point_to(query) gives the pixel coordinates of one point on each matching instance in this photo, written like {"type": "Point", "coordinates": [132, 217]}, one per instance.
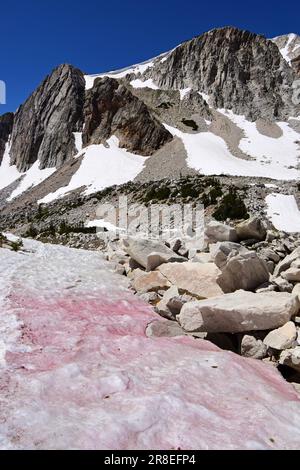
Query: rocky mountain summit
{"type": "Point", "coordinates": [221, 103]}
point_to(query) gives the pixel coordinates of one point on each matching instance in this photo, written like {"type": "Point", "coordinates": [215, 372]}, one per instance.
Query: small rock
{"type": "Point", "coordinates": [291, 358]}
{"type": "Point", "coordinates": [292, 274]}
{"type": "Point", "coordinates": [281, 338]}
{"type": "Point", "coordinates": [152, 281]}
{"type": "Point", "coordinates": [283, 285]}
{"type": "Point", "coordinates": [253, 347]}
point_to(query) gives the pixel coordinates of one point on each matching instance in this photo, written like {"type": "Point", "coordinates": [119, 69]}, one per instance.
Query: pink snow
{"type": "Point", "coordinates": [80, 373]}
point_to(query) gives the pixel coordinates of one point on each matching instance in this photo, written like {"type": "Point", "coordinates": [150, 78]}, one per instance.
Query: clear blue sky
{"type": "Point", "coordinates": [37, 35]}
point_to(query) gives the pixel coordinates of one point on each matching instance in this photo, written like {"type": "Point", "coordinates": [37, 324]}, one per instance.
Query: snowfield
{"type": "Point", "coordinates": [100, 168]}
{"type": "Point", "coordinates": [284, 213]}
{"type": "Point", "coordinates": [78, 372]}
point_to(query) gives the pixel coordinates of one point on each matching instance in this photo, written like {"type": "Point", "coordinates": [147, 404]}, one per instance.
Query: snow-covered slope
{"type": "Point", "coordinates": [283, 212]}
{"type": "Point", "coordinates": [77, 370]}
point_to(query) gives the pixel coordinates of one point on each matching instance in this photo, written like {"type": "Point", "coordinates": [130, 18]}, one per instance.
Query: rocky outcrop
{"type": "Point", "coordinates": [44, 124]}
{"type": "Point", "coordinates": [238, 312]}
{"type": "Point", "coordinates": [111, 109]}
{"type": "Point", "coordinates": [238, 70]}
{"type": "Point", "coordinates": [6, 125]}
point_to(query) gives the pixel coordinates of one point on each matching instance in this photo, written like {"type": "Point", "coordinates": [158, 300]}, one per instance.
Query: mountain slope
{"type": "Point", "coordinates": [221, 103]}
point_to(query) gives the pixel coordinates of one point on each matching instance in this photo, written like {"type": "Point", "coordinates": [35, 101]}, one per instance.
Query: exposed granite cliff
{"type": "Point", "coordinates": [239, 70]}
{"type": "Point", "coordinates": [111, 109]}
{"type": "Point", "coordinates": [44, 124]}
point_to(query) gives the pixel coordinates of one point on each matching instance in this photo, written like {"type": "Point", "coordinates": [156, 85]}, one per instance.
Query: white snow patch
{"type": "Point", "coordinates": [209, 154]}
{"type": "Point", "coordinates": [32, 177]}
{"type": "Point", "coordinates": [284, 212]}
{"type": "Point", "coordinates": [138, 83]}
{"type": "Point", "coordinates": [204, 96]}
{"type": "Point", "coordinates": [280, 155]}
{"type": "Point", "coordinates": [101, 223]}
{"type": "Point", "coordinates": [138, 68]}
{"type": "Point", "coordinates": [78, 140]}
{"type": "Point", "coordinates": [184, 92]}
{"type": "Point", "coordinates": [8, 173]}
{"type": "Point", "coordinates": [100, 168]}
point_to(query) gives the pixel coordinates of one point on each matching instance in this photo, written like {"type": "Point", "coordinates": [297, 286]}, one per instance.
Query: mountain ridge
{"type": "Point", "coordinates": [206, 93]}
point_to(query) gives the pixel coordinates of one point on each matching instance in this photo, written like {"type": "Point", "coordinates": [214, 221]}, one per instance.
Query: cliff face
{"type": "Point", "coordinates": [6, 125]}
{"type": "Point", "coordinates": [239, 70]}
{"type": "Point", "coordinates": [44, 124]}
{"type": "Point", "coordinates": [111, 109]}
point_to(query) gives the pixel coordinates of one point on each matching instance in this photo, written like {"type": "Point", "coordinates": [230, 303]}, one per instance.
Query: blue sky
{"type": "Point", "coordinates": [104, 35]}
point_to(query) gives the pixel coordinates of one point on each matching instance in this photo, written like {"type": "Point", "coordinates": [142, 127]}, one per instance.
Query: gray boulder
{"type": "Point", "coordinates": [251, 228]}
{"type": "Point", "coordinates": [218, 232]}
{"type": "Point", "coordinates": [253, 347]}
{"type": "Point", "coordinates": [244, 271]}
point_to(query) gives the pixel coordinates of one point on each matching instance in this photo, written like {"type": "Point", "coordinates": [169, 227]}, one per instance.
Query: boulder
{"type": "Point", "coordinates": [153, 281]}
{"type": "Point", "coordinates": [283, 285]}
{"type": "Point", "coordinates": [166, 328]}
{"type": "Point", "coordinates": [244, 271]}
{"type": "Point", "coordinates": [253, 347]}
{"type": "Point", "coordinates": [291, 358]}
{"type": "Point", "coordinates": [287, 261]}
{"type": "Point", "coordinates": [282, 338]}
{"type": "Point", "coordinates": [221, 251]}
{"type": "Point", "coordinates": [196, 279]}
{"type": "Point", "coordinates": [251, 228]}
{"type": "Point", "coordinates": [218, 232]}
{"type": "Point", "coordinates": [162, 306]}
{"type": "Point", "coordinates": [238, 312]}
{"type": "Point", "coordinates": [296, 290]}
{"type": "Point", "coordinates": [292, 274]}
{"type": "Point", "coordinates": [150, 254]}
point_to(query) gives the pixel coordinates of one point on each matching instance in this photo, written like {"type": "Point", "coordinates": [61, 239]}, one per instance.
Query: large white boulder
{"type": "Point", "coordinates": [149, 253]}
{"type": "Point", "coordinates": [196, 279]}
{"type": "Point", "coordinates": [239, 311]}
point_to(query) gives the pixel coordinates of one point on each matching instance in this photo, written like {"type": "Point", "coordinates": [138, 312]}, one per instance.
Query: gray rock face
{"type": "Point", "coordinates": [6, 125]}
{"type": "Point", "coordinates": [238, 70]}
{"type": "Point", "coordinates": [111, 109]}
{"type": "Point", "coordinates": [44, 124]}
